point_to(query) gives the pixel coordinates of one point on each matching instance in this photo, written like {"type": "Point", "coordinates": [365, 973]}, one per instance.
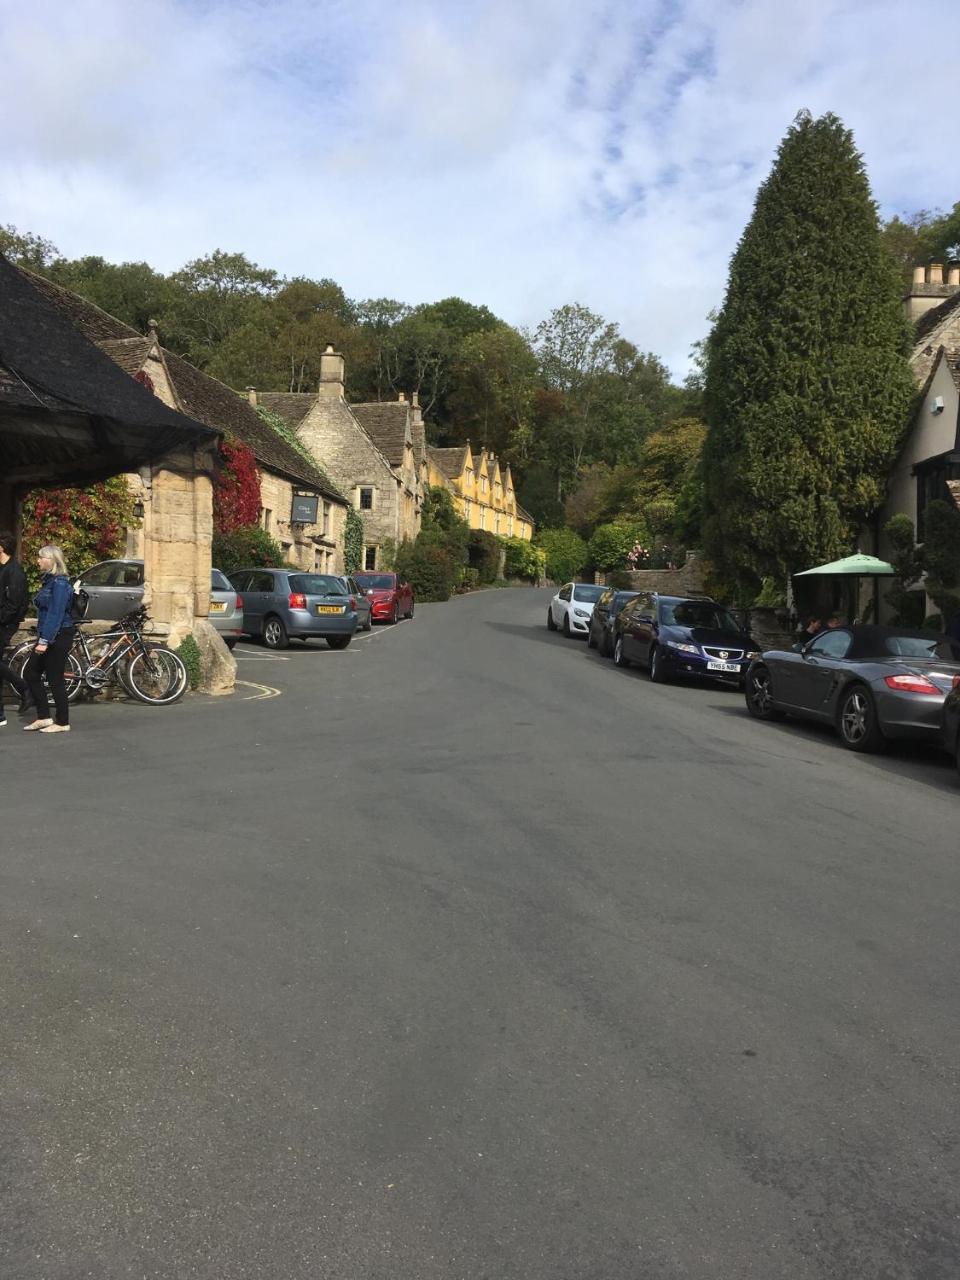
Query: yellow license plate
{"type": "Point", "coordinates": [218, 606]}
{"type": "Point", "coordinates": [329, 608]}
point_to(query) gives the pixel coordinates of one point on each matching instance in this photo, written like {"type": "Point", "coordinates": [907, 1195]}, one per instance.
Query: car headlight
{"type": "Point", "coordinates": [581, 613]}
{"type": "Point", "coordinates": [752, 656]}
{"type": "Point", "coordinates": [683, 648]}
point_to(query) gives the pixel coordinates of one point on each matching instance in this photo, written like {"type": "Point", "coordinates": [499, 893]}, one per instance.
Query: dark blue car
{"type": "Point", "coordinates": [690, 636]}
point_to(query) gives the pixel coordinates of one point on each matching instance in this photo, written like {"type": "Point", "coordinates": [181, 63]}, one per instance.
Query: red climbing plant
{"type": "Point", "coordinates": [236, 492]}
{"type": "Point", "coordinates": [88, 524]}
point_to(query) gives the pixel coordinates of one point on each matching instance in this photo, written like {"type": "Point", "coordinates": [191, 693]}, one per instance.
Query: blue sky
{"type": "Point", "coordinates": [518, 155]}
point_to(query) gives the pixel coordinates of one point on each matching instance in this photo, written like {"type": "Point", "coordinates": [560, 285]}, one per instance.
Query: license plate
{"type": "Point", "coordinates": [733, 667]}
{"type": "Point", "coordinates": [329, 608]}
{"type": "Point", "coordinates": [218, 606]}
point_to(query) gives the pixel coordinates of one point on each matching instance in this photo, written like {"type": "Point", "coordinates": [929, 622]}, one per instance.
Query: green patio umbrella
{"type": "Point", "coordinates": [856, 566]}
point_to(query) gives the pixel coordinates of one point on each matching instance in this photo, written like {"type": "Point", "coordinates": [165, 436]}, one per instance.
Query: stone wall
{"type": "Point", "coordinates": [687, 580]}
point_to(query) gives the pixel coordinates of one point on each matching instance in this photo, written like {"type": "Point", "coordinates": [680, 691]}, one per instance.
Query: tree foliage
{"type": "Point", "coordinates": [566, 553]}
{"type": "Point", "coordinates": [808, 389]}
{"type": "Point", "coordinates": [249, 547]}
{"type": "Point", "coordinates": [353, 540]}
{"type": "Point", "coordinates": [88, 524]}
{"type": "Point", "coordinates": [611, 544]}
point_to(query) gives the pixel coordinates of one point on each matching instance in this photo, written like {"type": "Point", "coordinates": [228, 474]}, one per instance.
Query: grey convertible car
{"type": "Point", "coordinates": [872, 683]}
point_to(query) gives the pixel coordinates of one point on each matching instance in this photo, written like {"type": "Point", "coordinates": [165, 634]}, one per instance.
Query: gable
{"type": "Point", "coordinates": [387, 423]}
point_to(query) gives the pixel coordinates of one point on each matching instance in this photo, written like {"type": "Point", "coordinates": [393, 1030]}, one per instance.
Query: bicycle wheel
{"type": "Point", "coordinates": [72, 671]}
{"type": "Point", "coordinates": [157, 676]}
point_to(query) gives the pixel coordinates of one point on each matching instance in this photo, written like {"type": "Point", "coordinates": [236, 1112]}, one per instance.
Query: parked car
{"type": "Point", "coordinates": [364, 603]}
{"type": "Point", "coordinates": [872, 683]}
{"type": "Point", "coordinates": [682, 636]}
{"type": "Point", "coordinates": [571, 608]}
{"type": "Point", "coordinates": [388, 593]}
{"type": "Point", "coordinates": [280, 604]}
{"type": "Point", "coordinates": [113, 588]}
{"type": "Point", "coordinates": [950, 720]}
{"type": "Point", "coordinates": [600, 631]}
{"type": "Point", "coordinates": [226, 608]}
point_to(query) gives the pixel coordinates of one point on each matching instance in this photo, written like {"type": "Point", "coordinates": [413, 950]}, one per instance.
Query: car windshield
{"type": "Point", "coordinates": [919, 647]}
{"type": "Point", "coordinates": [317, 584]}
{"type": "Point", "coordinates": [588, 593]}
{"type": "Point", "coordinates": [697, 613]}
{"type": "Point", "coordinates": [375, 581]}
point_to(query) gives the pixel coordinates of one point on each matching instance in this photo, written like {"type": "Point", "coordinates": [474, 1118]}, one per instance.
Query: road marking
{"type": "Point", "coordinates": [259, 657]}
{"type": "Point", "coordinates": [265, 691]}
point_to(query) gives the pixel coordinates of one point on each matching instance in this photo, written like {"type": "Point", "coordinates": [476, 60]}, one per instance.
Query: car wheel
{"type": "Point", "coordinates": [409, 613]}
{"type": "Point", "coordinates": [395, 616]}
{"type": "Point", "coordinates": [619, 659]}
{"type": "Point", "coordinates": [604, 645]}
{"type": "Point", "coordinates": [566, 626]}
{"type": "Point", "coordinates": [369, 626]}
{"type": "Point", "coordinates": [759, 695]}
{"type": "Point", "coordinates": [231, 642]}
{"type": "Point", "coordinates": [857, 720]}
{"type": "Point", "coordinates": [338, 642]}
{"type": "Point", "coordinates": [591, 643]}
{"type": "Point", "coordinates": [275, 633]}
{"type": "Point", "coordinates": [551, 625]}
{"type": "Point", "coordinates": [658, 666]}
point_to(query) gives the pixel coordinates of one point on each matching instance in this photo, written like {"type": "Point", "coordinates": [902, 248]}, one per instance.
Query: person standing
{"type": "Point", "coordinates": [13, 610]}
{"type": "Point", "coordinates": [54, 639]}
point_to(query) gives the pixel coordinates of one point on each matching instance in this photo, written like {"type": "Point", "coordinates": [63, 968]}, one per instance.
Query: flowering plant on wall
{"type": "Point", "coordinates": [89, 524]}
{"type": "Point", "coordinates": [236, 491]}
{"type": "Point", "coordinates": [637, 555]}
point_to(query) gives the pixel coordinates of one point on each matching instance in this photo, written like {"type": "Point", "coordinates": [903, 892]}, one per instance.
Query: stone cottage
{"type": "Point", "coordinates": [482, 490]}
{"type": "Point", "coordinates": [285, 470]}
{"type": "Point", "coordinates": [374, 453]}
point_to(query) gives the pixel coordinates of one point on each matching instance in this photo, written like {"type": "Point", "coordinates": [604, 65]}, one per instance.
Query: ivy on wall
{"type": "Point", "coordinates": [353, 542]}
{"type": "Point", "coordinates": [87, 524]}
{"type": "Point", "coordinates": [236, 493]}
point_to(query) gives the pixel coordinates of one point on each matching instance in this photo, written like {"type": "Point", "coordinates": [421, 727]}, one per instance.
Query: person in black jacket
{"type": "Point", "coordinates": [13, 610]}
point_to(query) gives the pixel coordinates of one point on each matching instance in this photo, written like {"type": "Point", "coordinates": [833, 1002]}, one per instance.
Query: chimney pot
{"type": "Point", "coordinates": [401, 398]}
{"type": "Point", "coordinates": [919, 275]}
{"type": "Point", "coordinates": [252, 396]}
{"type": "Point", "coordinates": [331, 374]}
{"type": "Point", "coordinates": [953, 273]}
{"type": "Point", "coordinates": [936, 273]}
{"type": "Point", "coordinates": [415, 399]}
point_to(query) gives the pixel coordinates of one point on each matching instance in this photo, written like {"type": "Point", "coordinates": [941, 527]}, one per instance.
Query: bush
{"type": "Point", "coordinates": [189, 653]}
{"type": "Point", "coordinates": [246, 548]}
{"type": "Point", "coordinates": [523, 559]}
{"type": "Point", "coordinates": [611, 544]}
{"type": "Point", "coordinates": [429, 568]}
{"type": "Point", "coordinates": [87, 524]}
{"type": "Point", "coordinates": [353, 542]}
{"type": "Point", "coordinates": [470, 580]}
{"type": "Point", "coordinates": [566, 553]}
{"type": "Point", "coordinates": [485, 552]}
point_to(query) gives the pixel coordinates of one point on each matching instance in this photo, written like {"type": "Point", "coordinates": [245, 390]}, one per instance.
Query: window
{"type": "Point", "coordinates": [326, 519]}
{"type": "Point", "coordinates": [564, 592]}
{"type": "Point", "coordinates": [366, 499]}
{"type": "Point", "coordinates": [318, 561]}
{"type": "Point", "coordinates": [370, 558]}
{"type": "Point", "coordinates": [588, 592]}
{"type": "Point", "coordinates": [219, 581]}
{"type": "Point", "coordinates": [313, 584]}
{"type": "Point", "coordinates": [832, 644]}
{"type": "Point", "coordinates": [266, 516]}
{"type": "Point", "coordinates": [102, 575]}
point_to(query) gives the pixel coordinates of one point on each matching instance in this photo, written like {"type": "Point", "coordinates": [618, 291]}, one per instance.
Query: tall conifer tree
{"type": "Point", "coordinates": [808, 389]}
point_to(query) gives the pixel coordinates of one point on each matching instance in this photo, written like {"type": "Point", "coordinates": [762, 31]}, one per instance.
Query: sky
{"type": "Point", "coordinates": [520, 154]}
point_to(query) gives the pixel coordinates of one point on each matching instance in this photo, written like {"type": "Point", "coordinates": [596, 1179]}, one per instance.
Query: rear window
{"type": "Point", "coordinates": [317, 584]}
{"type": "Point", "coordinates": [375, 581]}
{"type": "Point", "coordinates": [919, 647]}
{"type": "Point", "coordinates": [219, 581]}
{"type": "Point", "coordinates": [587, 593]}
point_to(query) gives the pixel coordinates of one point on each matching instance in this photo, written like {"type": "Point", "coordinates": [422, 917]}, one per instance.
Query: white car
{"type": "Point", "coordinates": [572, 607]}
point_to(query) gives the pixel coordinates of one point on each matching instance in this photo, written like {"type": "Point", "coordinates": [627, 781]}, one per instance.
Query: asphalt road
{"type": "Point", "coordinates": [468, 955]}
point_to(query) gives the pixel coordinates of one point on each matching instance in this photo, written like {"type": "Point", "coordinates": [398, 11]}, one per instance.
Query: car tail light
{"type": "Point", "coordinates": [956, 682]}
{"type": "Point", "coordinates": [910, 684]}
{"type": "Point", "coordinates": [353, 602]}
{"type": "Point", "coordinates": [239, 604]}
{"type": "Point", "coordinates": [298, 600]}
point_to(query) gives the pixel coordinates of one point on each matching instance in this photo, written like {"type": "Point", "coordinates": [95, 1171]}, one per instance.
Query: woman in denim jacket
{"type": "Point", "coordinates": [54, 639]}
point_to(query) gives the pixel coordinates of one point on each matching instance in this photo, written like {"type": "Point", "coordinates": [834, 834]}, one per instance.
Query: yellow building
{"type": "Point", "coordinates": [482, 490]}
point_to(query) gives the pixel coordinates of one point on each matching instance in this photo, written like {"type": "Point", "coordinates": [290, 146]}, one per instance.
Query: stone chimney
{"type": "Point", "coordinates": [401, 398]}
{"type": "Point", "coordinates": [331, 374]}
{"type": "Point", "coordinates": [928, 288]}
{"type": "Point", "coordinates": [416, 415]}
{"type": "Point", "coordinates": [252, 396]}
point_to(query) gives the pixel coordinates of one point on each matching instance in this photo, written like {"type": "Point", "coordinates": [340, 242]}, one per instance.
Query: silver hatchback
{"type": "Point", "coordinates": [226, 608]}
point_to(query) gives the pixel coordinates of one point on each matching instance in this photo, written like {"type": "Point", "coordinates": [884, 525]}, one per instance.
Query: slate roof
{"type": "Point", "coordinates": [449, 461]}
{"type": "Point", "coordinates": [210, 402]}
{"type": "Point", "coordinates": [385, 422]}
{"type": "Point", "coordinates": [930, 319]}
{"type": "Point", "coordinates": [291, 406]}
{"type": "Point", "coordinates": [50, 364]}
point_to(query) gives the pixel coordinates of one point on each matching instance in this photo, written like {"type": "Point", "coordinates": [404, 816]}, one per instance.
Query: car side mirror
{"type": "Point", "coordinates": [796, 648]}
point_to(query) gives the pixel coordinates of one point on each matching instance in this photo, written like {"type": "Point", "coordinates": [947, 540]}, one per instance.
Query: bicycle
{"type": "Point", "coordinates": [149, 672]}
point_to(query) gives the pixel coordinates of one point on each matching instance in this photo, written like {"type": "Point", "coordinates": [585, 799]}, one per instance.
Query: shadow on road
{"type": "Point", "coordinates": [537, 632]}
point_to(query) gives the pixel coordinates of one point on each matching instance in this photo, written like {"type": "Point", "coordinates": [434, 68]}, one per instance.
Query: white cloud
{"type": "Point", "coordinates": [522, 156]}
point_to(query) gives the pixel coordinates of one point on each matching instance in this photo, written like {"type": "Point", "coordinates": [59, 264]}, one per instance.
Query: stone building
{"type": "Point", "coordinates": [374, 453]}
{"type": "Point", "coordinates": [285, 470]}
{"type": "Point", "coordinates": [482, 491]}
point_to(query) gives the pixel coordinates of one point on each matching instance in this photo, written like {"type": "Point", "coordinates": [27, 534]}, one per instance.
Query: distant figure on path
{"type": "Point", "coordinates": [55, 638]}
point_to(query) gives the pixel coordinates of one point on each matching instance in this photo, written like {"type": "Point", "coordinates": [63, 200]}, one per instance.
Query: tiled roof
{"type": "Point", "coordinates": [198, 395]}
{"type": "Point", "coordinates": [291, 406]}
{"type": "Point", "coordinates": [524, 515]}
{"type": "Point", "coordinates": [385, 422]}
{"type": "Point", "coordinates": [217, 405]}
{"type": "Point", "coordinates": [449, 461]}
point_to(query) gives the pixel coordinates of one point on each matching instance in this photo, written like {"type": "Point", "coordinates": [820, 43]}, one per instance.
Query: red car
{"type": "Point", "coordinates": [390, 597]}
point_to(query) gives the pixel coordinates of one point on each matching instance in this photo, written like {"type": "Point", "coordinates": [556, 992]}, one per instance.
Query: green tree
{"type": "Point", "coordinates": [808, 389]}
{"type": "Point", "coordinates": [131, 291]}
{"type": "Point", "coordinates": [214, 296]}
{"type": "Point", "coordinates": [907, 560]}
{"type": "Point", "coordinates": [566, 553]}
{"type": "Point", "coordinates": [941, 556]}
{"type": "Point", "coordinates": [612, 543]}
{"type": "Point", "coordinates": [353, 539]}
{"type": "Point", "coordinates": [27, 249]}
